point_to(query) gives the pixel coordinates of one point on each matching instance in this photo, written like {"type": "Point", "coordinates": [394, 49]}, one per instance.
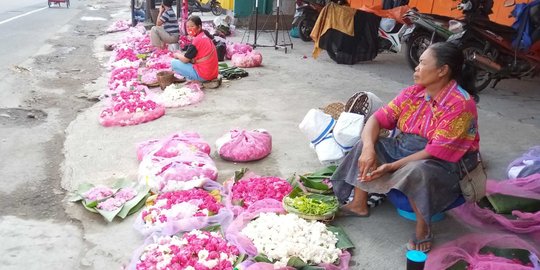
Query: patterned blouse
{"type": "Point", "coordinates": [449, 120]}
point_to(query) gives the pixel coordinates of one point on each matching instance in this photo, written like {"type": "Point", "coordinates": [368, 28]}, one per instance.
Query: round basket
{"type": "Point", "coordinates": [165, 78]}
{"type": "Point", "coordinates": [358, 103]}
{"type": "Point", "coordinates": [334, 109]}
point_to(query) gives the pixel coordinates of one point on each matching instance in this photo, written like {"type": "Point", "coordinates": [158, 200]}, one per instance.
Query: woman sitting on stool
{"type": "Point", "coordinates": [439, 127]}
{"type": "Point", "coordinates": [200, 62]}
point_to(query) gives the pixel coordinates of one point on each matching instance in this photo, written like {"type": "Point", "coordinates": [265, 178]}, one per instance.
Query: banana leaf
{"type": "Point", "coordinates": [262, 258]}
{"type": "Point", "coordinates": [239, 259]}
{"type": "Point", "coordinates": [505, 204]}
{"type": "Point", "coordinates": [212, 228]}
{"type": "Point", "coordinates": [136, 203]}
{"type": "Point", "coordinates": [109, 215]}
{"type": "Point", "coordinates": [239, 174]}
{"type": "Point", "coordinates": [319, 205]}
{"type": "Point", "coordinates": [296, 262]}
{"type": "Point", "coordinates": [344, 242]}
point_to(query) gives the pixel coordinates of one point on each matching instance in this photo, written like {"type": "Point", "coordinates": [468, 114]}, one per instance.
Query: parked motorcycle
{"type": "Point", "coordinates": [211, 6]}
{"type": "Point", "coordinates": [489, 48]}
{"type": "Point", "coordinates": [430, 28]}
{"type": "Point", "coordinates": [307, 12]}
{"type": "Point", "coordinates": [390, 37]}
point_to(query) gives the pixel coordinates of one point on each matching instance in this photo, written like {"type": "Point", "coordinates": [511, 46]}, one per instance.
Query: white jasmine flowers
{"type": "Point", "coordinates": [281, 237]}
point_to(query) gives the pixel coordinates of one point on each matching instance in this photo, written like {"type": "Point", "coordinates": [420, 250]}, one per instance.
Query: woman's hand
{"type": "Point", "coordinates": [366, 163]}
{"type": "Point", "coordinates": [380, 171]}
{"type": "Point", "coordinates": [177, 55]}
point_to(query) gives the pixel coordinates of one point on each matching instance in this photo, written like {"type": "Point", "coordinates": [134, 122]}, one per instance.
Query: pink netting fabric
{"type": "Point", "coordinates": [247, 60]}
{"type": "Point", "coordinates": [173, 145]}
{"type": "Point", "coordinates": [235, 48]}
{"type": "Point", "coordinates": [526, 223]}
{"type": "Point", "coordinates": [467, 248]}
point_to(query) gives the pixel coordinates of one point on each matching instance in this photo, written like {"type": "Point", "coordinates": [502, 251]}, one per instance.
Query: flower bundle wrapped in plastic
{"type": "Point", "coordinates": [117, 26]}
{"type": "Point", "coordinates": [125, 76]}
{"type": "Point", "coordinates": [176, 95]}
{"type": "Point", "coordinates": [235, 48]}
{"type": "Point", "coordinates": [183, 210]}
{"type": "Point", "coordinates": [192, 251]}
{"type": "Point", "coordinates": [247, 191]}
{"type": "Point", "coordinates": [244, 145]}
{"type": "Point", "coordinates": [123, 199]}
{"type": "Point", "coordinates": [161, 173]}
{"type": "Point", "coordinates": [247, 60]}
{"type": "Point", "coordinates": [130, 108]}
{"type": "Point", "coordinates": [173, 145]}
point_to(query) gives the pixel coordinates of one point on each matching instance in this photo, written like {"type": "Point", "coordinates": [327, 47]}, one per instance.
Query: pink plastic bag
{"type": "Point", "coordinates": [173, 145]}
{"type": "Point", "coordinates": [159, 172]}
{"type": "Point", "coordinates": [467, 248]}
{"type": "Point", "coordinates": [243, 145]}
{"type": "Point", "coordinates": [247, 60]}
{"type": "Point", "coordinates": [235, 48]}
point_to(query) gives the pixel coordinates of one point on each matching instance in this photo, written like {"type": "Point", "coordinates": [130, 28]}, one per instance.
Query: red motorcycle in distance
{"type": "Point", "coordinates": [495, 52]}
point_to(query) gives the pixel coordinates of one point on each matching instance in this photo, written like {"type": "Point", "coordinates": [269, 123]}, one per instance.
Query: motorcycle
{"type": "Point", "coordinates": [390, 37]}
{"type": "Point", "coordinates": [495, 52]}
{"type": "Point", "coordinates": [211, 6]}
{"type": "Point", "coordinates": [307, 12]}
{"type": "Point", "coordinates": [427, 29]}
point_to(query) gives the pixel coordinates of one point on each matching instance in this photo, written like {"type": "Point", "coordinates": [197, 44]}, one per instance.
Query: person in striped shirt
{"type": "Point", "coordinates": [166, 30]}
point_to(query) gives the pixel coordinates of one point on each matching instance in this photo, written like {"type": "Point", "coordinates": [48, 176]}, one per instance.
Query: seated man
{"type": "Point", "coordinates": [166, 30]}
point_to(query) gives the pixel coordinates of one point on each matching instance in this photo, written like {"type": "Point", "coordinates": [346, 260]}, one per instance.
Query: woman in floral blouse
{"type": "Point", "coordinates": [439, 127]}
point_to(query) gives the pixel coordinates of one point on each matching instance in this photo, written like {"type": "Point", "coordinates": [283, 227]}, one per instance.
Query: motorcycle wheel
{"type": "Point", "coordinates": [305, 26]}
{"type": "Point", "coordinates": [217, 9]}
{"type": "Point", "coordinates": [481, 77]}
{"type": "Point", "coordinates": [415, 46]}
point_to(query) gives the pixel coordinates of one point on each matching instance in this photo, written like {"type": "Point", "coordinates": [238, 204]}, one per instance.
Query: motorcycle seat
{"type": "Point", "coordinates": [504, 31]}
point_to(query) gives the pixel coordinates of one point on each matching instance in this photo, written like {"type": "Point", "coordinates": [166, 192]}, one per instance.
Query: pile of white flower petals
{"type": "Point", "coordinates": [280, 237]}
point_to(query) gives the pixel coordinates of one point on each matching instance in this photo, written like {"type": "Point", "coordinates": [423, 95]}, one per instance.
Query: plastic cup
{"type": "Point", "coordinates": [416, 260]}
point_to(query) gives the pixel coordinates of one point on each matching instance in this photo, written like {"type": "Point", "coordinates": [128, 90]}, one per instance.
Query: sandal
{"type": "Point", "coordinates": [413, 243]}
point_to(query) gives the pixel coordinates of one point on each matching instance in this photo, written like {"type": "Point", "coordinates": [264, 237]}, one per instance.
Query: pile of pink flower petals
{"type": "Point", "coordinates": [130, 108]}
{"type": "Point", "coordinates": [179, 161]}
{"type": "Point", "coordinates": [176, 205]}
{"type": "Point", "coordinates": [122, 77]}
{"type": "Point", "coordinates": [193, 250]}
{"type": "Point", "coordinates": [118, 200]}
{"type": "Point", "coordinates": [120, 25]}
{"type": "Point", "coordinates": [249, 191]}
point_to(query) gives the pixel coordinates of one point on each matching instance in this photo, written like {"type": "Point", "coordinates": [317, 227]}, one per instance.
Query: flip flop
{"type": "Point", "coordinates": [344, 212]}
{"type": "Point", "coordinates": [415, 242]}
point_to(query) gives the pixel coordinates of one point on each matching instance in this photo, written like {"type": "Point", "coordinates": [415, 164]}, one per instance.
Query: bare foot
{"type": "Point", "coordinates": [358, 210]}
{"type": "Point", "coordinates": [422, 241]}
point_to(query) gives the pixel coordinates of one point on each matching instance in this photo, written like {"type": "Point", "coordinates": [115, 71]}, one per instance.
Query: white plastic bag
{"type": "Point", "coordinates": [316, 125]}
{"type": "Point", "coordinates": [347, 130]}
{"type": "Point", "coordinates": [328, 151]}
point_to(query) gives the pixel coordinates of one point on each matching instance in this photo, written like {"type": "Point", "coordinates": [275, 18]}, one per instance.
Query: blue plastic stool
{"type": "Point", "coordinates": [404, 209]}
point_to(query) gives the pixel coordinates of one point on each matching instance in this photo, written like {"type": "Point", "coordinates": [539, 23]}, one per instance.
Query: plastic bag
{"type": "Point", "coordinates": [316, 125]}
{"type": "Point", "coordinates": [161, 173]}
{"type": "Point", "coordinates": [246, 60]}
{"type": "Point", "coordinates": [243, 145]}
{"type": "Point", "coordinates": [348, 129]}
{"type": "Point", "coordinates": [235, 48]}
{"type": "Point", "coordinates": [328, 151]}
{"type": "Point", "coordinates": [173, 145]}
{"type": "Point", "coordinates": [527, 161]}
